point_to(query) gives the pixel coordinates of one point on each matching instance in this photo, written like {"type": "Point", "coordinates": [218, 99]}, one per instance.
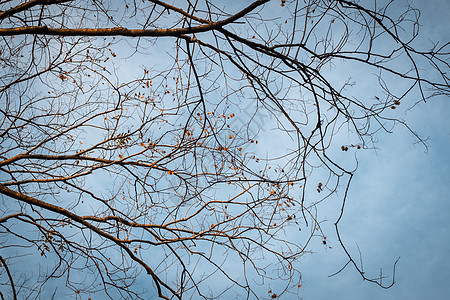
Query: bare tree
{"type": "Point", "coordinates": [184, 149]}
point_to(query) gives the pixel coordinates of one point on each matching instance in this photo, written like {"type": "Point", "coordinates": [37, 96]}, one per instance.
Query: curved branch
{"type": "Point", "coordinates": [122, 31]}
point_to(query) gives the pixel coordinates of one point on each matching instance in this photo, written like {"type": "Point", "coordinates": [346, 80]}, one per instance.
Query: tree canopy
{"type": "Point", "coordinates": [191, 144]}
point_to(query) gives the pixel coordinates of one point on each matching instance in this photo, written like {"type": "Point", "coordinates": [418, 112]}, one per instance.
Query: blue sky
{"type": "Point", "coordinates": [399, 206]}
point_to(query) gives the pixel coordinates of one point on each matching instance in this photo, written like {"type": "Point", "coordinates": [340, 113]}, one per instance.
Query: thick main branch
{"type": "Point", "coordinates": [122, 31]}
